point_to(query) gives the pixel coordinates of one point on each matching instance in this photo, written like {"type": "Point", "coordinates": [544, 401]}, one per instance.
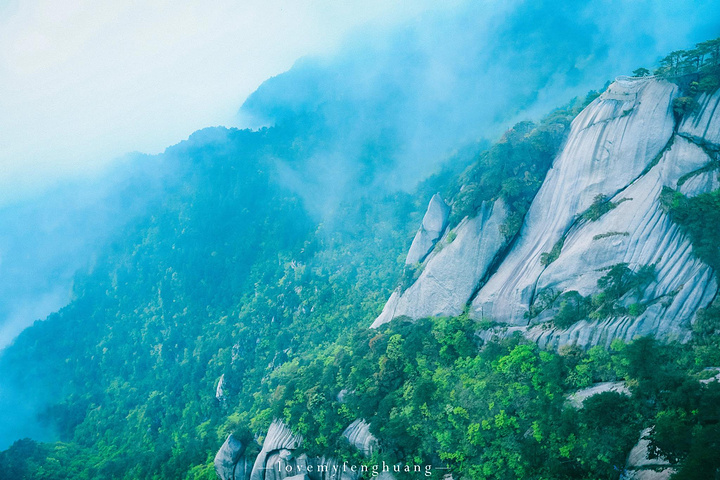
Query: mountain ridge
{"type": "Point", "coordinates": [622, 104]}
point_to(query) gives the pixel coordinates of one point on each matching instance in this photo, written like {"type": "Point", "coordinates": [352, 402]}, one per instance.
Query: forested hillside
{"type": "Point", "coordinates": [233, 303]}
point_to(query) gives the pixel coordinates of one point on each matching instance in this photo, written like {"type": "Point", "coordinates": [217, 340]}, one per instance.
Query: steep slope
{"type": "Point", "coordinates": [610, 145]}
{"type": "Point", "coordinates": [433, 226]}
{"type": "Point", "coordinates": [598, 208]}
{"type": "Point", "coordinates": [207, 284]}
{"type": "Point", "coordinates": [453, 273]}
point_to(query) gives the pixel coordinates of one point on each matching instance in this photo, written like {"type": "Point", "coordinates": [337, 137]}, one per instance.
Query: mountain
{"type": "Point", "coordinates": [557, 301]}
{"type": "Point", "coordinates": [598, 213]}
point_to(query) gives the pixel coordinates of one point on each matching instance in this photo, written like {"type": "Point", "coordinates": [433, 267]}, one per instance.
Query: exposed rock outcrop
{"type": "Point", "coordinates": [220, 391]}
{"type": "Point", "coordinates": [705, 124]}
{"type": "Point", "coordinates": [683, 284]}
{"type": "Point", "coordinates": [611, 143]}
{"type": "Point", "coordinates": [277, 459]}
{"type": "Point", "coordinates": [645, 236]}
{"type": "Point", "coordinates": [230, 464]}
{"type": "Point", "coordinates": [433, 226]}
{"type": "Point", "coordinates": [359, 436]}
{"type": "Point", "coordinates": [714, 378]}
{"type": "Point", "coordinates": [622, 150]}
{"type": "Point", "coordinates": [640, 467]}
{"type": "Point", "coordinates": [454, 270]}
{"type": "Point", "coordinates": [576, 399]}
{"type": "Point", "coordinates": [276, 453]}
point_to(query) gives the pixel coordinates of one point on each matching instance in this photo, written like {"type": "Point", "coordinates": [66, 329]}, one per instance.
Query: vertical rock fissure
{"type": "Point", "coordinates": [494, 265]}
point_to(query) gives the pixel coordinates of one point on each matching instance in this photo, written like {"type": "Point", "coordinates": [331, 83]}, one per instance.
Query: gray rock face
{"type": "Point", "coordinates": [576, 399]}
{"type": "Point", "coordinates": [454, 270]}
{"type": "Point", "coordinates": [359, 436]}
{"type": "Point", "coordinates": [640, 467]}
{"type": "Point", "coordinates": [645, 236]}
{"type": "Point", "coordinates": [277, 459]}
{"type": "Point", "coordinates": [625, 148]}
{"type": "Point", "coordinates": [622, 146]}
{"type": "Point", "coordinates": [610, 144]}
{"type": "Point", "coordinates": [220, 391]}
{"type": "Point", "coordinates": [229, 461]}
{"type": "Point", "coordinates": [714, 378]}
{"type": "Point", "coordinates": [433, 226]}
{"type": "Point", "coordinates": [276, 454]}
{"type": "Point", "coordinates": [706, 123]}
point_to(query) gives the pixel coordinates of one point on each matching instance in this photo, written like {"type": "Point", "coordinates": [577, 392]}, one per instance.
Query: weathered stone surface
{"type": "Point", "coordinates": [576, 399]}
{"type": "Point", "coordinates": [701, 183]}
{"type": "Point", "coordinates": [636, 232]}
{"type": "Point", "coordinates": [610, 145]}
{"type": "Point", "coordinates": [624, 147]}
{"type": "Point", "coordinates": [230, 464]}
{"type": "Point", "coordinates": [433, 226]}
{"type": "Point", "coordinates": [359, 436]}
{"type": "Point", "coordinates": [714, 378]}
{"type": "Point", "coordinates": [640, 467]}
{"type": "Point", "coordinates": [705, 123]}
{"type": "Point", "coordinates": [220, 390]}
{"type": "Point", "coordinates": [277, 459]}
{"type": "Point", "coordinates": [277, 447]}
{"type": "Point", "coordinates": [454, 269]}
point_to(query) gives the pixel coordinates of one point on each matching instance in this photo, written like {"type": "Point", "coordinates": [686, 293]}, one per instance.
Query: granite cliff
{"type": "Point", "coordinates": [599, 207]}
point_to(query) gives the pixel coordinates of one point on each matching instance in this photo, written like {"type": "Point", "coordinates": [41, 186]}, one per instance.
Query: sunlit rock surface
{"type": "Point", "coordinates": [276, 453]}
{"type": "Point", "coordinates": [624, 148]}
{"type": "Point", "coordinates": [576, 399]}
{"type": "Point", "coordinates": [359, 436]}
{"type": "Point", "coordinates": [636, 232]}
{"type": "Point", "coordinates": [704, 124]}
{"type": "Point", "coordinates": [277, 460]}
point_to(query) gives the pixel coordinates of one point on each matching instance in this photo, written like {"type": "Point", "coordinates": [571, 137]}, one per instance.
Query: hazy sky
{"type": "Point", "coordinates": [84, 81]}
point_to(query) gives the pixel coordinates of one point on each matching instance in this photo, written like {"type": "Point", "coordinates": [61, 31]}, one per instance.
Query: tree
{"type": "Point", "coordinates": [712, 48]}
{"type": "Point", "coordinates": [670, 65]}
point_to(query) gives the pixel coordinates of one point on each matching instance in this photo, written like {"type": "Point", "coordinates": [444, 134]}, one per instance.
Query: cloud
{"type": "Point", "coordinates": [395, 101]}
{"type": "Point", "coordinates": [84, 82]}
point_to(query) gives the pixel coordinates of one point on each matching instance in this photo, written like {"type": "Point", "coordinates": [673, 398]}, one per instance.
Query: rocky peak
{"type": "Point", "coordinates": [598, 207]}
{"type": "Point", "coordinates": [433, 226]}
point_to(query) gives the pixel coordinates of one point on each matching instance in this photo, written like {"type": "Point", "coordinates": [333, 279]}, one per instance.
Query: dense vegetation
{"type": "Point", "coordinates": [500, 411]}
{"type": "Point", "coordinates": [234, 276]}
{"type": "Point", "coordinates": [230, 276]}
{"type": "Point", "coordinates": [514, 168]}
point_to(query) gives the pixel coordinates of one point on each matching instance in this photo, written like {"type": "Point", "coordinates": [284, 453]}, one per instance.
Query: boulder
{"type": "Point", "coordinates": [277, 447]}
{"type": "Point", "coordinates": [359, 436]}
{"type": "Point", "coordinates": [230, 464]}
{"type": "Point", "coordinates": [640, 467]}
